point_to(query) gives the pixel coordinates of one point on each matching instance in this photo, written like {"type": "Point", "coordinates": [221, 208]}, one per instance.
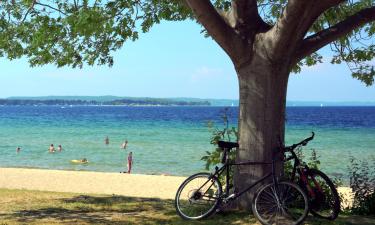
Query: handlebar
{"type": "Point", "coordinates": [303, 143]}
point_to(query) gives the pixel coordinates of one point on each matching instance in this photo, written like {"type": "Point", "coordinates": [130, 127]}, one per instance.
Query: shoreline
{"type": "Point", "coordinates": [94, 171]}
{"type": "Point", "coordinates": [91, 182]}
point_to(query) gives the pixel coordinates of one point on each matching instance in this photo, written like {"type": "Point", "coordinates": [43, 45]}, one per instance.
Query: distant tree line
{"type": "Point", "coordinates": [129, 102]}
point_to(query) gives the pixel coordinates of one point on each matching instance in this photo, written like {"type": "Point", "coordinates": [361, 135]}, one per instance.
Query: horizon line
{"type": "Point", "coordinates": [202, 98]}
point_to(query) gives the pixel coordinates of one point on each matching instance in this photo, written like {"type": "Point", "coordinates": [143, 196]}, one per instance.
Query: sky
{"type": "Point", "coordinates": [172, 60]}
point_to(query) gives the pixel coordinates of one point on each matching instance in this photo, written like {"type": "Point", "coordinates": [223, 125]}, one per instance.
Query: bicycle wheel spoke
{"type": "Point", "coordinates": [198, 196]}
{"type": "Point", "coordinates": [269, 194]}
{"type": "Point", "coordinates": [283, 204]}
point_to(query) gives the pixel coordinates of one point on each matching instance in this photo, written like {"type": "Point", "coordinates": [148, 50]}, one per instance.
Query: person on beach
{"type": "Point", "coordinates": [130, 161]}
{"type": "Point", "coordinates": [59, 148]}
{"type": "Point", "coordinates": [106, 140]}
{"type": "Point", "coordinates": [51, 148]}
{"type": "Point", "coordinates": [18, 149]}
{"type": "Point", "coordinates": [124, 144]}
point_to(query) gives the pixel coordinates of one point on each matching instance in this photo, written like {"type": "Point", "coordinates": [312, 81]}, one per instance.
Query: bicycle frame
{"type": "Point", "coordinates": [226, 167]}
{"type": "Point", "coordinates": [302, 173]}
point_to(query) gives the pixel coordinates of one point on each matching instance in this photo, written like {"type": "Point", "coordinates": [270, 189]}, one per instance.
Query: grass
{"type": "Point", "coordinates": [39, 208]}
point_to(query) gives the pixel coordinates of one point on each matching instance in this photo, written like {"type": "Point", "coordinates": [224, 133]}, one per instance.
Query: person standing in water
{"type": "Point", "coordinates": [18, 149]}
{"type": "Point", "coordinates": [59, 148]}
{"type": "Point", "coordinates": [106, 140]}
{"type": "Point", "coordinates": [124, 144]}
{"type": "Point", "coordinates": [130, 161]}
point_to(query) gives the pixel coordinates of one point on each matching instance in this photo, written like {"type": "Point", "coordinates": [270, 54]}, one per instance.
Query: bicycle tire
{"type": "Point", "coordinates": [197, 196]}
{"type": "Point", "coordinates": [291, 206]}
{"type": "Point", "coordinates": [329, 199]}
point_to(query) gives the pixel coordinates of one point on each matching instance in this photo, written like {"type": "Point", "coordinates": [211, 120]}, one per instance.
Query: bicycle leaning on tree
{"type": "Point", "coordinates": [276, 202]}
{"type": "Point", "coordinates": [324, 201]}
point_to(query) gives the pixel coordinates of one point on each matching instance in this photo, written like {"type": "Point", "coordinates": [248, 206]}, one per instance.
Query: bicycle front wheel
{"type": "Point", "coordinates": [198, 196]}
{"type": "Point", "coordinates": [323, 196]}
{"type": "Point", "coordinates": [284, 203]}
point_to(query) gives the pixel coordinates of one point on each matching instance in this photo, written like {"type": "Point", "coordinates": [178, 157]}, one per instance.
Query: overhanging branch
{"type": "Point", "coordinates": [216, 26]}
{"type": "Point", "coordinates": [28, 11]}
{"type": "Point", "coordinates": [295, 20]}
{"type": "Point", "coordinates": [318, 40]}
{"type": "Point", "coordinates": [51, 7]}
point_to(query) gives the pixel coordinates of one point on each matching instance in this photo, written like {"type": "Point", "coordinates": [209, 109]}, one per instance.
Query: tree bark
{"type": "Point", "coordinates": [263, 87]}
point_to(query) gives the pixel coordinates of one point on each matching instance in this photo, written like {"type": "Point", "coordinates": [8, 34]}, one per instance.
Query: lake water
{"type": "Point", "coordinates": [165, 140]}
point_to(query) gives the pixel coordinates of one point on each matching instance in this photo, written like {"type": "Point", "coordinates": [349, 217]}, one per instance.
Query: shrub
{"type": "Point", "coordinates": [362, 183]}
{"type": "Point", "coordinates": [225, 133]}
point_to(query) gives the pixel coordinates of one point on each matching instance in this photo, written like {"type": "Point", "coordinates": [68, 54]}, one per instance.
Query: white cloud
{"type": "Point", "coordinates": [205, 73]}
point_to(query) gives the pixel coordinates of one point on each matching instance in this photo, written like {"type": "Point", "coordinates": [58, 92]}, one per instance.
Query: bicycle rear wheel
{"type": "Point", "coordinates": [282, 204]}
{"type": "Point", "coordinates": [323, 197]}
{"type": "Point", "coordinates": [198, 196]}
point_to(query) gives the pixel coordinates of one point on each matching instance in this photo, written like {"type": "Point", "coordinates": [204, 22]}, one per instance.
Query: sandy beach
{"type": "Point", "coordinates": [132, 185]}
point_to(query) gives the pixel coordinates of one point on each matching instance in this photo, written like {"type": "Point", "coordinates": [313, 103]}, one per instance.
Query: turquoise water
{"type": "Point", "coordinates": [165, 140]}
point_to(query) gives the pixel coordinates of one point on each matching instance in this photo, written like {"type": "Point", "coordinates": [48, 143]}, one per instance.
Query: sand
{"type": "Point", "coordinates": [347, 196]}
{"type": "Point", "coordinates": [132, 185]}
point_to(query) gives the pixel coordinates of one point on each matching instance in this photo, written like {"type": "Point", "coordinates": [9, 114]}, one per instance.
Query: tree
{"type": "Point", "coordinates": [266, 40]}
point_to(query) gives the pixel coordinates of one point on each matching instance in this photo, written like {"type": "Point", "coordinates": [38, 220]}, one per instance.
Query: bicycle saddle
{"type": "Point", "coordinates": [227, 144]}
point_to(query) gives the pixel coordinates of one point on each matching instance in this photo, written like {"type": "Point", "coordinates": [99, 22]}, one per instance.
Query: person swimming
{"type": "Point", "coordinates": [84, 160]}
{"type": "Point", "coordinates": [59, 148]}
{"type": "Point", "coordinates": [51, 148]}
{"type": "Point", "coordinates": [80, 161]}
{"type": "Point", "coordinates": [18, 149]}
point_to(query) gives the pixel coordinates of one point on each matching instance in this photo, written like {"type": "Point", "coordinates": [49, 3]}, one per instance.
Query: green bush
{"type": "Point", "coordinates": [362, 183]}
{"type": "Point", "coordinates": [226, 133]}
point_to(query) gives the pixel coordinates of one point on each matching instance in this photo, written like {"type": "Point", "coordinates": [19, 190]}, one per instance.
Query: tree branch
{"type": "Point", "coordinates": [218, 29]}
{"type": "Point", "coordinates": [322, 38]}
{"type": "Point", "coordinates": [51, 7]}
{"type": "Point", "coordinates": [28, 11]}
{"type": "Point", "coordinates": [295, 21]}
{"type": "Point", "coordinates": [246, 17]}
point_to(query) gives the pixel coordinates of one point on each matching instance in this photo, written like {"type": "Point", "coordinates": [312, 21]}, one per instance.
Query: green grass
{"type": "Point", "coordinates": [38, 208]}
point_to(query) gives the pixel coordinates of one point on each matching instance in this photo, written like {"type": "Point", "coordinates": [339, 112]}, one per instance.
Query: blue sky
{"type": "Point", "coordinates": [172, 60]}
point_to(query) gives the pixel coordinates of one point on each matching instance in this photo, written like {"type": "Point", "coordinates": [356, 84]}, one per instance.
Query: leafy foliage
{"type": "Point", "coordinates": [226, 133]}
{"type": "Point", "coordinates": [74, 33]}
{"type": "Point", "coordinates": [356, 49]}
{"type": "Point", "coordinates": [362, 183]}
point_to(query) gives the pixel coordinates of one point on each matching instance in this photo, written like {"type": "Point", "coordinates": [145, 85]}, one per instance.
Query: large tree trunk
{"type": "Point", "coordinates": [263, 87]}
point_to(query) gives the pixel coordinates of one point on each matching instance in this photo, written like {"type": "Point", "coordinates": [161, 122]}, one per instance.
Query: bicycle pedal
{"type": "Point", "coordinates": [227, 199]}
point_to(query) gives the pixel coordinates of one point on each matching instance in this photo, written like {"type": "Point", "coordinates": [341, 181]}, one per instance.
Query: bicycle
{"type": "Point", "coordinates": [324, 200]}
{"type": "Point", "coordinates": [277, 202]}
